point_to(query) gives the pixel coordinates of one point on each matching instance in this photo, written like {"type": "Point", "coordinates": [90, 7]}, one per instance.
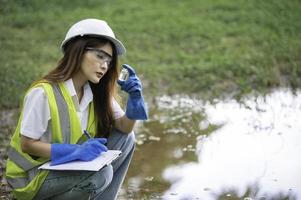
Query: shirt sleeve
{"type": "Point", "coordinates": [36, 114]}
{"type": "Point", "coordinates": [117, 110]}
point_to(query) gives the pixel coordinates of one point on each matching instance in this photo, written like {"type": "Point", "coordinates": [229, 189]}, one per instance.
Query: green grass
{"type": "Point", "coordinates": [208, 48]}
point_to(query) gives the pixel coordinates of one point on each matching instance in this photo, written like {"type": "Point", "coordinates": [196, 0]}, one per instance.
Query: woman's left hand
{"type": "Point", "coordinates": [136, 108]}
{"type": "Point", "coordinates": [132, 85]}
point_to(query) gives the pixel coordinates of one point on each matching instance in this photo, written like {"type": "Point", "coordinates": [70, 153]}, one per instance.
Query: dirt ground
{"type": "Point", "coordinates": [8, 120]}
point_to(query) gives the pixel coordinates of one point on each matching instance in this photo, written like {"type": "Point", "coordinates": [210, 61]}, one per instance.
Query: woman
{"type": "Point", "coordinates": [77, 96]}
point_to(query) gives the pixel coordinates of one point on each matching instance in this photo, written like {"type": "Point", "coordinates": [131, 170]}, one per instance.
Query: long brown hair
{"type": "Point", "coordinates": [103, 92]}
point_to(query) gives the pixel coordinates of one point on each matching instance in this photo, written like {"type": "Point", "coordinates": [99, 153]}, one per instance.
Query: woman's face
{"type": "Point", "coordinates": [96, 62]}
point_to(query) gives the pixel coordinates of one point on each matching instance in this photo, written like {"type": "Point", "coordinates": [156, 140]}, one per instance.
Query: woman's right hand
{"type": "Point", "coordinates": [63, 153]}
{"type": "Point", "coordinates": [91, 149]}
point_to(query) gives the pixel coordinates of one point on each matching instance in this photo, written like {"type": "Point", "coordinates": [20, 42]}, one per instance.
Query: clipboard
{"type": "Point", "coordinates": [105, 158]}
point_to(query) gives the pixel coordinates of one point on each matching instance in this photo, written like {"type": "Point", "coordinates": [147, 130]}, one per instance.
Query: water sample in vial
{"type": "Point", "coordinates": [124, 74]}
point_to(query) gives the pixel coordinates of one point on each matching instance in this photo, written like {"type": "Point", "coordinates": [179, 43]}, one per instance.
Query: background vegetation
{"type": "Point", "coordinates": [208, 48]}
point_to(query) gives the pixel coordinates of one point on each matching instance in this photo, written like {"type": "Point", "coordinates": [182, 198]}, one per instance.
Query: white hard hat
{"type": "Point", "coordinates": [93, 27]}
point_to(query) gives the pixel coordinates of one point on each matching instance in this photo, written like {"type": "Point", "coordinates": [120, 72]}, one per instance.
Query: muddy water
{"type": "Point", "coordinates": [191, 149]}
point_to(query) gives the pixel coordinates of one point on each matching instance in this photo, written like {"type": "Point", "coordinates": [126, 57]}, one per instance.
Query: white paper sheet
{"type": "Point", "coordinates": [105, 158]}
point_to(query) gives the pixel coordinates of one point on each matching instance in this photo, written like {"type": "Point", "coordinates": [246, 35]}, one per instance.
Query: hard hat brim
{"type": "Point", "coordinates": [120, 49]}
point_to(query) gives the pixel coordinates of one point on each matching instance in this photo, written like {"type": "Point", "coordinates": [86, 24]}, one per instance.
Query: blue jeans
{"type": "Point", "coordinates": [103, 184]}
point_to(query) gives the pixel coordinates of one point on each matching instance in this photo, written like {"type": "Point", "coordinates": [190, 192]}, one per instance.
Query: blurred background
{"type": "Point", "coordinates": [222, 80]}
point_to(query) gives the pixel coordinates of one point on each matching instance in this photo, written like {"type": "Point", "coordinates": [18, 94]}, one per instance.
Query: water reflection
{"type": "Point", "coordinates": [168, 138]}
{"type": "Point", "coordinates": [255, 154]}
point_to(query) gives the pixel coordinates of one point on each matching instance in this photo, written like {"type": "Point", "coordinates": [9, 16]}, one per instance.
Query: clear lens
{"type": "Point", "coordinates": [101, 55]}
{"type": "Point", "coordinates": [124, 74]}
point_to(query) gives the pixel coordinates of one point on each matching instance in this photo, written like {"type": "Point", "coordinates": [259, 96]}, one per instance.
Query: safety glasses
{"type": "Point", "coordinates": [101, 55]}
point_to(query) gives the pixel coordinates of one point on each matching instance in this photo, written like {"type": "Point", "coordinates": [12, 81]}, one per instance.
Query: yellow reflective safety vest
{"type": "Point", "coordinates": [22, 169]}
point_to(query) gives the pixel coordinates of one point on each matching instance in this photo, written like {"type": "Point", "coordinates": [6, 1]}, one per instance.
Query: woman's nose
{"type": "Point", "coordinates": [104, 65]}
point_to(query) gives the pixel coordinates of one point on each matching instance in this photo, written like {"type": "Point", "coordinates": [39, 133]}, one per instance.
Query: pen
{"type": "Point", "coordinates": [87, 134]}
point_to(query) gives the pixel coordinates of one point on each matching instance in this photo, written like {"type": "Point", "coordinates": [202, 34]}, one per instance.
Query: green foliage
{"type": "Point", "coordinates": [203, 47]}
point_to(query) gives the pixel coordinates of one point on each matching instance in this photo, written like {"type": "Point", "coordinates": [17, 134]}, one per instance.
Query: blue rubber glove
{"type": "Point", "coordinates": [62, 153]}
{"type": "Point", "coordinates": [135, 108]}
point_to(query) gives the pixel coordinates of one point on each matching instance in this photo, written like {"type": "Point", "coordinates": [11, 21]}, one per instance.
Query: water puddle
{"type": "Point", "coordinates": [192, 149]}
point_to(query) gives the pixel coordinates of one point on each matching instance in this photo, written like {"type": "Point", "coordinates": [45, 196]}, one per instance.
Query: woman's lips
{"type": "Point", "coordinates": [99, 74]}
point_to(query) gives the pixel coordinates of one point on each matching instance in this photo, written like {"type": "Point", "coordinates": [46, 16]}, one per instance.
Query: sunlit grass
{"type": "Point", "coordinates": [209, 48]}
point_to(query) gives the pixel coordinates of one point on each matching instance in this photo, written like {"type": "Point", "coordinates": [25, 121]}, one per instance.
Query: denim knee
{"type": "Point", "coordinates": [131, 140]}
{"type": "Point", "coordinates": [105, 174]}
{"type": "Point", "coordinates": [97, 182]}
{"type": "Point", "coordinates": [121, 141]}
{"type": "Point", "coordinates": [129, 143]}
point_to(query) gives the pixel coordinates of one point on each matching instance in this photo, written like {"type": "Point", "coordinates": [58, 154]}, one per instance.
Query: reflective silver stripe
{"type": "Point", "coordinates": [20, 182]}
{"type": "Point", "coordinates": [17, 158]}
{"type": "Point", "coordinates": [63, 113]}
{"type": "Point", "coordinates": [49, 131]}
{"type": "Point", "coordinates": [33, 172]}
{"type": "Point", "coordinates": [17, 182]}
